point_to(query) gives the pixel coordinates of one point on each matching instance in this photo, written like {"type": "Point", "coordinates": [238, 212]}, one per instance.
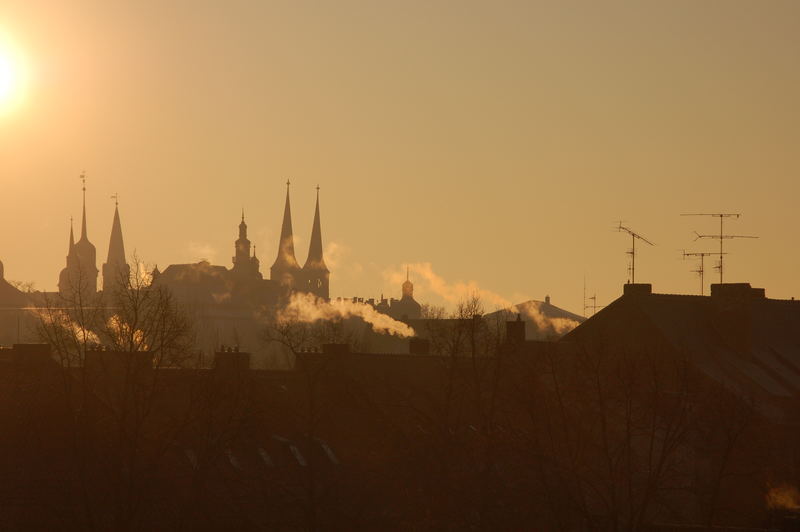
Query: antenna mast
{"type": "Point", "coordinates": [592, 298]}
{"type": "Point", "coordinates": [593, 306]}
{"type": "Point", "coordinates": [634, 237]}
{"type": "Point", "coordinates": [721, 236]}
{"type": "Point", "coordinates": [700, 269]}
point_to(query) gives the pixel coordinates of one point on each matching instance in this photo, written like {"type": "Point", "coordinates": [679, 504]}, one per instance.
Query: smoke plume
{"type": "Point", "coordinates": [451, 292]}
{"type": "Point", "coordinates": [545, 323]}
{"type": "Point", "coordinates": [457, 292]}
{"type": "Point", "coordinates": [307, 308]}
{"type": "Point", "coordinates": [783, 497]}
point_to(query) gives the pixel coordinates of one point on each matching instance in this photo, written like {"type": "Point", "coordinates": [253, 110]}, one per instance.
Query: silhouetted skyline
{"type": "Point", "coordinates": [498, 145]}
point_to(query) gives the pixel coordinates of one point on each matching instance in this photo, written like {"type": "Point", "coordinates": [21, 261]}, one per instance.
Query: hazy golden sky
{"type": "Point", "coordinates": [498, 141]}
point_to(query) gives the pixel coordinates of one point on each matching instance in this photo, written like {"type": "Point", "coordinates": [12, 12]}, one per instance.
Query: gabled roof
{"type": "Point", "coordinates": [736, 336]}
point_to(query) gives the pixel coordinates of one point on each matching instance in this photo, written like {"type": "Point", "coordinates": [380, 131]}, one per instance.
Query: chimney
{"type": "Point", "coordinates": [637, 289]}
{"type": "Point", "coordinates": [733, 312]}
{"type": "Point", "coordinates": [736, 292]}
{"type": "Point", "coordinates": [515, 331]}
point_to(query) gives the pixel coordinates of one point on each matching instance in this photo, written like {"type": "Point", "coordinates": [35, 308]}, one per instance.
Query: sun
{"type": "Point", "coordinates": [12, 76]}
{"type": "Point", "coordinates": [6, 77]}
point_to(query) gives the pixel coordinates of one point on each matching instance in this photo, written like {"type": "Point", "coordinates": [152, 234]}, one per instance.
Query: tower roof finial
{"type": "Point", "coordinates": [115, 197]}
{"type": "Point", "coordinates": [83, 188]}
{"type": "Point", "coordinates": [243, 214]}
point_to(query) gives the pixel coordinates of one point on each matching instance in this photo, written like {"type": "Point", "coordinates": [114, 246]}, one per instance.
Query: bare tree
{"type": "Point", "coordinates": [108, 348]}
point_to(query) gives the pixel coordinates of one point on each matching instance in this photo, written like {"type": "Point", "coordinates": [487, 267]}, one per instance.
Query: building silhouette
{"type": "Point", "coordinates": [79, 277]}
{"type": "Point", "coordinates": [224, 300]}
{"type": "Point", "coordinates": [406, 308]}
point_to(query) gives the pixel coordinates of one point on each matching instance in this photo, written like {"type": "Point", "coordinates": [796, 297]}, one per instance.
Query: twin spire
{"type": "Point", "coordinates": [286, 258]}
{"type": "Point", "coordinates": [81, 259]}
{"type": "Point", "coordinates": [314, 274]}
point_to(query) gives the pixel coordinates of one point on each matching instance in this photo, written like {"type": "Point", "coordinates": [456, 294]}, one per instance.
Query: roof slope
{"type": "Point", "coordinates": [737, 337]}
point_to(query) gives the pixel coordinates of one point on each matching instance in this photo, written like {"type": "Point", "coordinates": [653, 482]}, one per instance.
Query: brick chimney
{"type": "Point", "coordinates": [515, 331]}
{"type": "Point", "coordinates": [733, 312]}
{"type": "Point", "coordinates": [637, 289]}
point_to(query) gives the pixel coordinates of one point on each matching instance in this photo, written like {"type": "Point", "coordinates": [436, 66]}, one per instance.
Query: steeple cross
{"type": "Point", "coordinates": [83, 178]}
{"type": "Point", "coordinates": [115, 197]}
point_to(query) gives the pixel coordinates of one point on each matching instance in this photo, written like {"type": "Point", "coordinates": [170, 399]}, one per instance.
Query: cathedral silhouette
{"type": "Point", "coordinates": [202, 283]}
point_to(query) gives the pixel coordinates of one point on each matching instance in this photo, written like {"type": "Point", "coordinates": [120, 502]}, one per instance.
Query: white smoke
{"type": "Point", "coordinates": [545, 323]}
{"type": "Point", "coordinates": [59, 319]}
{"type": "Point", "coordinates": [307, 308]}
{"type": "Point", "coordinates": [460, 291]}
{"type": "Point", "coordinates": [201, 251]}
{"type": "Point", "coordinates": [451, 292]}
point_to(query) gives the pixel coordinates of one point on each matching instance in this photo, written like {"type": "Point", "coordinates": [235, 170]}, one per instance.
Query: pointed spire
{"type": "Point", "coordinates": [71, 236]}
{"type": "Point", "coordinates": [315, 259]}
{"type": "Point", "coordinates": [242, 228]}
{"type": "Point", "coordinates": [83, 224]}
{"type": "Point", "coordinates": [116, 246]}
{"type": "Point", "coordinates": [286, 259]}
{"type": "Point", "coordinates": [408, 286]}
{"type": "Point", "coordinates": [116, 269]}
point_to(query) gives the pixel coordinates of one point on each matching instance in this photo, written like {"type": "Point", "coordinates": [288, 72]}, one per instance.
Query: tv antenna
{"type": "Point", "coordinates": [701, 268]}
{"type": "Point", "coordinates": [593, 306]}
{"type": "Point", "coordinates": [593, 298]}
{"type": "Point", "coordinates": [721, 236]}
{"type": "Point", "coordinates": [634, 237]}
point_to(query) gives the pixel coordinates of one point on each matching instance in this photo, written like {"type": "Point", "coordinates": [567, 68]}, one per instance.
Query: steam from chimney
{"type": "Point", "coordinates": [307, 308]}
{"type": "Point", "coordinates": [545, 323]}
{"type": "Point", "coordinates": [122, 334]}
{"type": "Point", "coordinates": [61, 320]}
{"type": "Point", "coordinates": [451, 292]}
{"type": "Point", "coordinates": [460, 291]}
{"type": "Point", "coordinates": [783, 497]}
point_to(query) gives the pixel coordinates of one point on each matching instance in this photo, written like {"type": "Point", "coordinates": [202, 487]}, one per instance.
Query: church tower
{"type": "Point", "coordinates": [116, 270]}
{"type": "Point", "coordinates": [243, 262]}
{"type": "Point", "coordinates": [316, 275]}
{"type": "Point", "coordinates": [80, 275]}
{"type": "Point", "coordinates": [408, 287]}
{"type": "Point", "coordinates": [286, 270]}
